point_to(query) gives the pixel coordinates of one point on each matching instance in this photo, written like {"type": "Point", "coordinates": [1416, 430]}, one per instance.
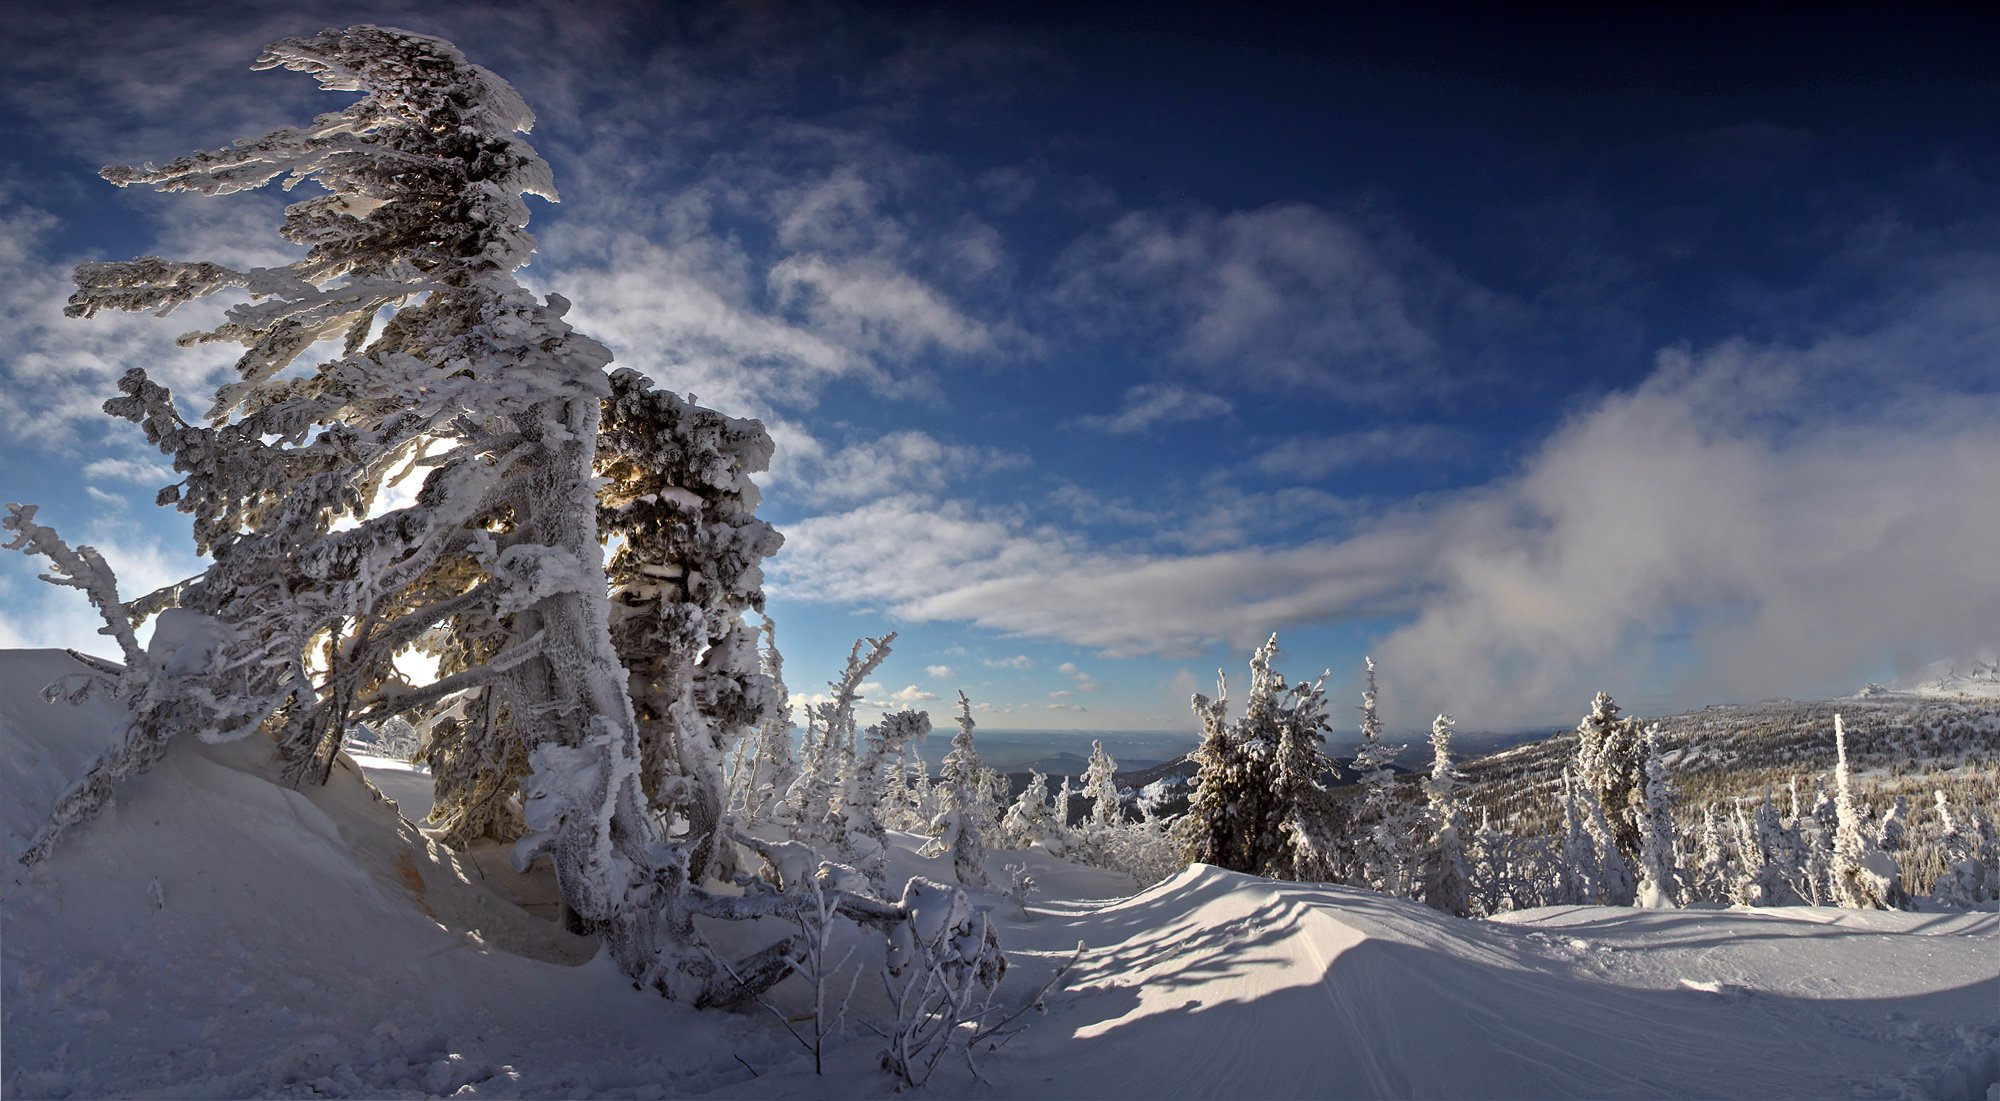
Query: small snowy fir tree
{"type": "Point", "coordinates": [1864, 877]}
{"type": "Point", "coordinates": [1579, 873]}
{"type": "Point", "coordinates": [958, 828]}
{"type": "Point", "coordinates": [1100, 786]}
{"type": "Point", "coordinates": [1030, 821]}
{"type": "Point", "coordinates": [869, 797]}
{"type": "Point", "coordinates": [815, 801]}
{"type": "Point", "coordinates": [1382, 856]}
{"type": "Point", "coordinates": [771, 766]}
{"type": "Point", "coordinates": [1970, 875]}
{"type": "Point", "coordinates": [1260, 804]}
{"type": "Point", "coordinates": [1447, 875]}
{"type": "Point", "coordinates": [1219, 826]}
{"type": "Point", "coordinates": [1609, 765]}
{"type": "Point", "coordinates": [1660, 884]}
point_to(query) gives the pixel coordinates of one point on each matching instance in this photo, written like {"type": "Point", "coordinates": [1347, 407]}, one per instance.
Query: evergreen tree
{"type": "Point", "coordinates": [959, 826]}
{"type": "Point", "coordinates": [1447, 874]}
{"type": "Point", "coordinates": [1714, 871]}
{"type": "Point", "coordinates": [314, 589]}
{"type": "Point", "coordinates": [1100, 786]}
{"type": "Point", "coordinates": [1382, 855]}
{"type": "Point", "coordinates": [1030, 821]}
{"type": "Point", "coordinates": [1578, 872]}
{"type": "Point", "coordinates": [1609, 764]}
{"type": "Point", "coordinates": [771, 767]}
{"type": "Point", "coordinates": [814, 806]}
{"type": "Point", "coordinates": [1864, 877]}
{"type": "Point", "coordinates": [1216, 828]}
{"type": "Point", "coordinates": [1660, 883]}
{"type": "Point", "coordinates": [1259, 803]}
{"type": "Point", "coordinates": [867, 833]}
{"type": "Point", "coordinates": [606, 726]}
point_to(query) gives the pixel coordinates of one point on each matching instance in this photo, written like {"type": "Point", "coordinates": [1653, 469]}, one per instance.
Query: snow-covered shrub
{"type": "Point", "coordinates": [942, 968]}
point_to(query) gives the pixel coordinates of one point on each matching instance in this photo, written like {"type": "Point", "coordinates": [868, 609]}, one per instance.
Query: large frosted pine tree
{"type": "Point", "coordinates": [526, 454]}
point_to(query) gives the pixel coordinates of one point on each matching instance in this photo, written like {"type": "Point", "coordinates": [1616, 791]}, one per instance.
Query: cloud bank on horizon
{"type": "Point", "coordinates": [1117, 348]}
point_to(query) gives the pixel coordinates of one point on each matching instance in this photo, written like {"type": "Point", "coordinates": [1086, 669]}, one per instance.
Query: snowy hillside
{"type": "Point", "coordinates": [217, 934]}
{"type": "Point", "coordinates": [1978, 680]}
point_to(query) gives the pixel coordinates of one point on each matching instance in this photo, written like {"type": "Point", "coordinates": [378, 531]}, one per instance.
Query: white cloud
{"type": "Point", "coordinates": [1152, 404]}
{"type": "Point", "coordinates": [938, 672]}
{"type": "Point", "coordinates": [1679, 525]}
{"type": "Point", "coordinates": [1060, 694]}
{"type": "Point", "coordinates": [873, 309]}
{"type": "Point", "coordinates": [1018, 661]}
{"type": "Point", "coordinates": [905, 461]}
{"type": "Point", "coordinates": [1733, 520]}
{"type": "Point", "coordinates": [138, 471]}
{"type": "Point", "coordinates": [912, 694]}
{"type": "Point", "coordinates": [1289, 294]}
{"type": "Point", "coordinates": [1084, 681]}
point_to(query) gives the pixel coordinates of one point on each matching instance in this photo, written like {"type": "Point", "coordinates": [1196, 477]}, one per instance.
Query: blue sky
{"type": "Point", "coordinates": [1533, 354]}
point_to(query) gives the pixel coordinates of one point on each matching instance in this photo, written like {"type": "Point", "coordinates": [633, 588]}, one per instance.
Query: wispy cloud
{"type": "Point", "coordinates": [906, 461]}
{"type": "Point", "coordinates": [1286, 295]}
{"type": "Point", "coordinates": [1151, 404]}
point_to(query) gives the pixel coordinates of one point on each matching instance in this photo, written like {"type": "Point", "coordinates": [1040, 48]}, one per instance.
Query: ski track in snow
{"type": "Point", "coordinates": [218, 935]}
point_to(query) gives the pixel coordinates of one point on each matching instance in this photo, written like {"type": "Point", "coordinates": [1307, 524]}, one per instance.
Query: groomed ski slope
{"type": "Point", "coordinates": [220, 935]}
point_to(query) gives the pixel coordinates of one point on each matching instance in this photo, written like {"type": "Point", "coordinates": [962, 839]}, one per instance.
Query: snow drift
{"type": "Point", "coordinates": [220, 934]}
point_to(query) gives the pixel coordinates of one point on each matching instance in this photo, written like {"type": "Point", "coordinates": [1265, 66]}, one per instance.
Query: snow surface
{"type": "Point", "coordinates": [217, 934]}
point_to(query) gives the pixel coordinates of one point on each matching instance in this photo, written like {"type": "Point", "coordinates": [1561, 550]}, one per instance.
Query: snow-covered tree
{"type": "Point", "coordinates": [1030, 820]}
{"type": "Point", "coordinates": [1579, 868]}
{"type": "Point", "coordinates": [766, 765]}
{"type": "Point", "coordinates": [1100, 786]}
{"type": "Point", "coordinates": [959, 828]}
{"type": "Point", "coordinates": [1781, 853]}
{"type": "Point", "coordinates": [1220, 826]}
{"type": "Point", "coordinates": [1507, 870]}
{"type": "Point", "coordinates": [1713, 870]}
{"type": "Point", "coordinates": [680, 508]}
{"type": "Point", "coordinates": [1446, 881]}
{"type": "Point", "coordinates": [1864, 877]}
{"type": "Point", "coordinates": [882, 760]}
{"type": "Point", "coordinates": [1382, 843]}
{"type": "Point", "coordinates": [828, 758]}
{"type": "Point", "coordinates": [445, 365]}
{"type": "Point", "coordinates": [1660, 883]}
{"type": "Point", "coordinates": [1609, 764]}
{"type": "Point", "coordinates": [1971, 873]}
{"type": "Point", "coordinates": [606, 729]}
{"type": "Point", "coordinates": [1260, 803]}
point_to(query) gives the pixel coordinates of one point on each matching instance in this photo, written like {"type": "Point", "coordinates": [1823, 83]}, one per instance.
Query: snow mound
{"type": "Point", "coordinates": [217, 934]}
{"type": "Point", "coordinates": [1215, 984]}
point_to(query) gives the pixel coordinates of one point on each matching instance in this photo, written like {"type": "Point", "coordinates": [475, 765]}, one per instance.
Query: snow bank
{"type": "Point", "coordinates": [217, 934]}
